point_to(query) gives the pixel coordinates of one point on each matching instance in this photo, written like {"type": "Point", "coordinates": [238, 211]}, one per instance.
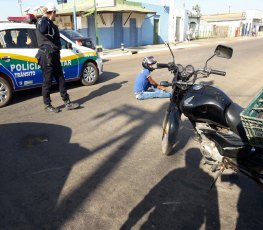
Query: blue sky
{"type": "Point", "coordinates": [12, 8]}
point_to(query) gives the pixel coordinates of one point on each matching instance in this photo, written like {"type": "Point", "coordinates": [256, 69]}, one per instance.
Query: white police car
{"type": "Point", "coordinates": [18, 66]}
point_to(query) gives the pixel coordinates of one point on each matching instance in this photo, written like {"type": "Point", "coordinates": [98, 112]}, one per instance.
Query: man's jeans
{"type": "Point", "coordinates": [154, 93]}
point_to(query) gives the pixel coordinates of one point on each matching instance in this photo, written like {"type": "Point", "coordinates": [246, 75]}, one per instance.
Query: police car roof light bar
{"type": "Point", "coordinates": [29, 18]}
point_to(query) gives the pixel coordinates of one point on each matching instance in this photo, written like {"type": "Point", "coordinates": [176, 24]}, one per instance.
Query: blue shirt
{"type": "Point", "coordinates": [141, 82]}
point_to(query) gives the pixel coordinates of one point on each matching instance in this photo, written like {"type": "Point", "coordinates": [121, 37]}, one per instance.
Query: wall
{"type": "Point", "coordinates": [242, 27]}
{"type": "Point", "coordinates": [162, 14]}
{"type": "Point", "coordinates": [181, 14]}
{"type": "Point", "coordinates": [82, 25]}
{"type": "Point", "coordinates": [135, 29]}
{"type": "Point", "coordinates": [117, 28]}
{"type": "Point", "coordinates": [132, 29]}
{"type": "Point", "coordinates": [63, 22]}
{"type": "Point", "coordinates": [106, 29]}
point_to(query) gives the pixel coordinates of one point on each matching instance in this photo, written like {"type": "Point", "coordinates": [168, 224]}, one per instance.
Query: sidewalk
{"type": "Point", "coordinates": [107, 53]}
{"type": "Point", "coordinates": [143, 49]}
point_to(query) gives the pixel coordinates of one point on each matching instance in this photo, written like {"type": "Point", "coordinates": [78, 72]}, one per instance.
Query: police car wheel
{"type": "Point", "coordinates": [89, 74]}
{"type": "Point", "coordinates": [5, 92]}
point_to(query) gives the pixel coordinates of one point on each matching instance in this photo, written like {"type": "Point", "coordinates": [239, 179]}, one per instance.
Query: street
{"type": "Point", "coordinates": [100, 167]}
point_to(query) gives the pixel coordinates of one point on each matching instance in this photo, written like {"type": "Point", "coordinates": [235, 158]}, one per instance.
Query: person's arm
{"type": "Point", "coordinates": [43, 25]}
{"type": "Point", "coordinates": [154, 83]}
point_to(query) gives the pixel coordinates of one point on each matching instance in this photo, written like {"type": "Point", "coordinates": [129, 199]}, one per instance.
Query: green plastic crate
{"type": "Point", "coordinates": [252, 119]}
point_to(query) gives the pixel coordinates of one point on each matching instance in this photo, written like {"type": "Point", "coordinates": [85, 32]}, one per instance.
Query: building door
{"type": "Point", "coordinates": [178, 20]}
{"type": "Point", "coordinates": [156, 31]}
{"type": "Point", "coordinates": [133, 32]}
{"type": "Point", "coordinates": [118, 30]}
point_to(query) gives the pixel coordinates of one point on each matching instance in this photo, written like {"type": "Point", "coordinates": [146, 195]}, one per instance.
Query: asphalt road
{"type": "Point", "coordinates": [100, 167]}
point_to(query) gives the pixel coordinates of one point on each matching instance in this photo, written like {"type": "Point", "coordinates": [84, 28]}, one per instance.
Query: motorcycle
{"type": "Point", "coordinates": [215, 119]}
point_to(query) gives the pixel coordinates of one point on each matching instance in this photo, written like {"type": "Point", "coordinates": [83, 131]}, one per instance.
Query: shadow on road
{"type": "Point", "coordinates": [102, 91]}
{"type": "Point", "coordinates": [180, 200]}
{"type": "Point", "coordinates": [249, 206]}
{"type": "Point", "coordinates": [106, 76]}
{"type": "Point", "coordinates": [24, 95]}
{"type": "Point", "coordinates": [36, 160]}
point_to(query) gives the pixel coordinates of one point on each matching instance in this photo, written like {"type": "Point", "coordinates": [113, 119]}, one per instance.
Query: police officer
{"type": "Point", "coordinates": [48, 56]}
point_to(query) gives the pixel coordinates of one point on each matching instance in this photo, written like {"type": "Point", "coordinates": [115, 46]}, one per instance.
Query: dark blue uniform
{"type": "Point", "coordinates": [49, 58]}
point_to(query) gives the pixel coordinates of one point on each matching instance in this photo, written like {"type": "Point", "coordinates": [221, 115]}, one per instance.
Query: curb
{"type": "Point", "coordinates": [132, 52]}
{"type": "Point", "coordinates": [166, 48]}
{"type": "Point", "coordinates": [180, 46]}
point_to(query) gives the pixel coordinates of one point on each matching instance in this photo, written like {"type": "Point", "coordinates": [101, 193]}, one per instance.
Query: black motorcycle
{"type": "Point", "coordinates": [215, 119]}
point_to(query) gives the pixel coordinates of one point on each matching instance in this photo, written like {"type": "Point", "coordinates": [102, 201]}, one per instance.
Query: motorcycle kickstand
{"type": "Point", "coordinates": [221, 170]}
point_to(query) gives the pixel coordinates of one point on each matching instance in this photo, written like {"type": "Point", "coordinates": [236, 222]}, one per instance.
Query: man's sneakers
{"type": "Point", "coordinates": [51, 109]}
{"type": "Point", "coordinates": [70, 105]}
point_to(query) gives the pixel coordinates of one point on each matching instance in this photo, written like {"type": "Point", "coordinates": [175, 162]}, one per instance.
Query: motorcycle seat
{"type": "Point", "coordinates": [234, 122]}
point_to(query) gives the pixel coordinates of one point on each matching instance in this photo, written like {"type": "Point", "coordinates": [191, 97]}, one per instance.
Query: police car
{"type": "Point", "coordinates": [18, 66]}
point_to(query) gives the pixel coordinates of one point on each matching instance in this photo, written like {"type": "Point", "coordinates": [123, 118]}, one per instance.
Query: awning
{"type": "Point", "coordinates": [121, 8]}
{"type": "Point", "coordinates": [88, 9]}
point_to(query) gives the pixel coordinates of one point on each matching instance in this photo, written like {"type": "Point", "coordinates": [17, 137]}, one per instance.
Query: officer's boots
{"type": "Point", "coordinates": [71, 105]}
{"type": "Point", "coordinates": [51, 109]}
{"type": "Point", "coordinates": [68, 104]}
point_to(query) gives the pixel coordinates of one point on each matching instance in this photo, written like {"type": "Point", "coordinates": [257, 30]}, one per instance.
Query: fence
{"type": "Point", "coordinates": [224, 31]}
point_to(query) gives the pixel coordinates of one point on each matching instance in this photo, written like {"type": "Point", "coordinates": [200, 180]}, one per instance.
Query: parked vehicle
{"type": "Point", "coordinates": [226, 140]}
{"type": "Point", "coordinates": [18, 66]}
{"type": "Point", "coordinates": [78, 38]}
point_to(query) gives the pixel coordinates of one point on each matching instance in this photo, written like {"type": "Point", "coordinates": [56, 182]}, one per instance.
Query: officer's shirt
{"type": "Point", "coordinates": [50, 33]}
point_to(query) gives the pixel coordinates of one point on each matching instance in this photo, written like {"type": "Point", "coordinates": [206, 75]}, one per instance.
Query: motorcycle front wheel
{"type": "Point", "coordinates": [170, 129]}
{"type": "Point", "coordinates": [167, 145]}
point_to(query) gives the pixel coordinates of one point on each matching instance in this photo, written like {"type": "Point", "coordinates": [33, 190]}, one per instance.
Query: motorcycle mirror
{"type": "Point", "coordinates": [223, 51]}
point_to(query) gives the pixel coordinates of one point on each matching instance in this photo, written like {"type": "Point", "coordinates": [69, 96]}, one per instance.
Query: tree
{"type": "Point", "coordinates": [196, 11]}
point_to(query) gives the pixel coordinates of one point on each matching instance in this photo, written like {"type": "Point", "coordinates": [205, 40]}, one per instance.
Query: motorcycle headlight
{"type": "Point", "coordinates": [189, 69]}
{"type": "Point", "coordinates": [180, 68]}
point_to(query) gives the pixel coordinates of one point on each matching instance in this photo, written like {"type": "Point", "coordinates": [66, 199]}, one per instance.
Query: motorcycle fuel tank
{"type": "Point", "coordinates": [205, 103]}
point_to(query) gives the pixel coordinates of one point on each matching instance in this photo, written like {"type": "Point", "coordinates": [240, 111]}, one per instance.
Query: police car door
{"type": "Point", "coordinates": [69, 60]}
{"type": "Point", "coordinates": [17, 56]}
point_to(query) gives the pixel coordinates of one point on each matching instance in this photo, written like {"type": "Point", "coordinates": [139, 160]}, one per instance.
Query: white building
{"type": "Point", "coordinates": [231, 24]}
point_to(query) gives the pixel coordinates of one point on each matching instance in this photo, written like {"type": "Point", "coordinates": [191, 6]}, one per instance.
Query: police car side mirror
{"type": "Point", "coordinates": [69, 46]}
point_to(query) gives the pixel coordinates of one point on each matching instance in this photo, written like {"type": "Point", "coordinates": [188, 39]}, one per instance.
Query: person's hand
{"type": "Point", "coordinates": [161, 88]}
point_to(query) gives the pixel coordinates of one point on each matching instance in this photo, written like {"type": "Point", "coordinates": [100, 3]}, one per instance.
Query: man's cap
{"type": "Point", "coordinates": [50, 7]}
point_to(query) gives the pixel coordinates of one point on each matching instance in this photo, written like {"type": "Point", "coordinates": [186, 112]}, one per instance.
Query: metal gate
{"type": "Point", "coordinates": [133, 33]}
{"type": "Point", "coordinates": [118, 30]}
{"type": "Point", "coordinates": [156, 31]}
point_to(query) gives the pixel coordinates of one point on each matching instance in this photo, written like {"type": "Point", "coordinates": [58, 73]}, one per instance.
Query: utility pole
{"type": "Point", "coordinates": [172, 23]}
{"type": "Point", "coordinates": [96, 26]}
{"type": "Point", "coordinates": [20, 4]}
{"type": "Point", "coordinates": [74, 16]}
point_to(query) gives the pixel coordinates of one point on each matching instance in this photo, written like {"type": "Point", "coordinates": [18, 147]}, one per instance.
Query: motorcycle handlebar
{"type": "Point", "coordinates": [162, 65]}
{"type": "Point", "coordinates": [172, 66]}
{"type": "Point", "coordinates": [218, 72]}
{"type": "Point", "coordinates": [165, 83]}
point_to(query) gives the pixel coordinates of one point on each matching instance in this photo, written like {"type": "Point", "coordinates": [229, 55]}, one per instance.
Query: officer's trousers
{"type": "Point", "coordinates": [52, 68]}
